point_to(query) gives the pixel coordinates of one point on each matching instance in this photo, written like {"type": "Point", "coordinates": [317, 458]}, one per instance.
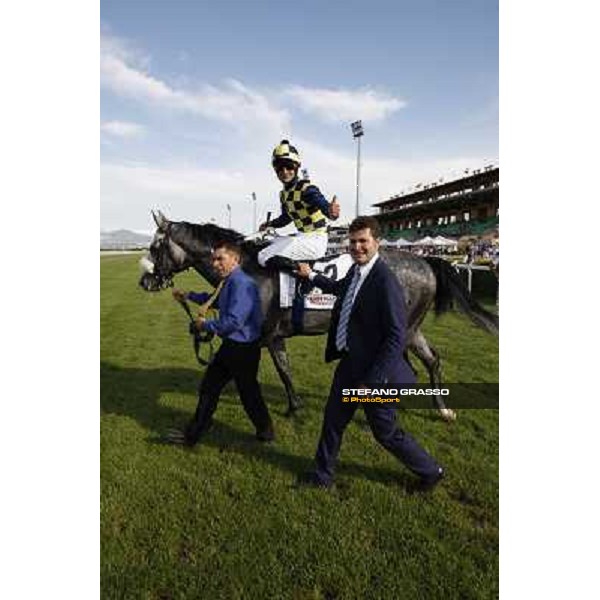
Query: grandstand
{"type": "Point", "coordinates": [465, 206]}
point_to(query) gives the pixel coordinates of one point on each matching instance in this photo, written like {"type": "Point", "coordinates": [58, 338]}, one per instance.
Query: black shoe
{"type": "Point", "coordinates": [427, 484]}
{"type": "Point", "coordinates": [311, 480]}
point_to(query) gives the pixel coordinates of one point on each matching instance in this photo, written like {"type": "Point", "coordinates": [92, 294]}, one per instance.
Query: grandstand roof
{"type": "Point", "coordinates": [460, 200]}
{"type": "Point", "coordinates": [476, 182]}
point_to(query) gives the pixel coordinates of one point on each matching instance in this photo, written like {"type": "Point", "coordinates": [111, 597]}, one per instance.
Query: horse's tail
{"type": "Point", "coordinates": [450, 287]}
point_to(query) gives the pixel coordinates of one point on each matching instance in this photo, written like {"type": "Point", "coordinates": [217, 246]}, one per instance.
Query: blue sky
{"type": "Point", "coordinates": [194, 95]}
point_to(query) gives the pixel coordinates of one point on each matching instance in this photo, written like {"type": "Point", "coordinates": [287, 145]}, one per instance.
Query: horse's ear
{"type": "Point", "coordinates": [160, 220]}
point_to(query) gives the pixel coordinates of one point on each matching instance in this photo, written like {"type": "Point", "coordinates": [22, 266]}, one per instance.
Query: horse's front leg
{"type": "Point", "coordinates": [277, 349]}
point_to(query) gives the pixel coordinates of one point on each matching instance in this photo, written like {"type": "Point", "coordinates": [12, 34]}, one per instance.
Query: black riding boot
{"type": "Point", "coordinates": [282, 263]}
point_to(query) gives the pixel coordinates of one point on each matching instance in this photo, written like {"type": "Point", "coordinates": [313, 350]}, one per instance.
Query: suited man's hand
{"type": "Point", "coordinates": [304, 270]}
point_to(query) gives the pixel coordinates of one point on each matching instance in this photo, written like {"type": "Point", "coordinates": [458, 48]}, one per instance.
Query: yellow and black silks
{"type": "Point", "coordinates": [307, 218]}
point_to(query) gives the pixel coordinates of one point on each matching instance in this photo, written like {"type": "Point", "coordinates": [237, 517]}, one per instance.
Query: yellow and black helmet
{"type": "Point", "coordinates": [285, 151]}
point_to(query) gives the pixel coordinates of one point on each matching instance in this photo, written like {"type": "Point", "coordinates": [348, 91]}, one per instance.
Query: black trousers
{"type": "Point", "coordinates": [382, 421]}
{"type": "Point", "coordinates": [238, 361]}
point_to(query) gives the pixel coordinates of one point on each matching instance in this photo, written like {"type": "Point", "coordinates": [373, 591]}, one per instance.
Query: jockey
{"type": "Point", "coordinates": [302, 203]}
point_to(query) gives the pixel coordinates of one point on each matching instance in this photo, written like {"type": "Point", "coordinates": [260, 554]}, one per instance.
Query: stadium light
{"type": "Point", "coordinates": [253, 211]}
{"type": "Point", "coordinates": [357, 133]}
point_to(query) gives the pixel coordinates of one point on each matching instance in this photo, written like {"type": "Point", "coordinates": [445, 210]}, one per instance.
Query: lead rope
{"type": "Point", "coordinates": [204, 308]}
{"type": "Point", "coordinates": [203, 311]}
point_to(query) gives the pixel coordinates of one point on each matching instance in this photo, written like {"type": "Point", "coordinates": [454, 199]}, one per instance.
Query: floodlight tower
{"type": "Point", "coordinates": [253, 212]}
{"type": "Point", "coordinates": [229, 212]}
{"type": "Point", "coordinates": [357, 133]}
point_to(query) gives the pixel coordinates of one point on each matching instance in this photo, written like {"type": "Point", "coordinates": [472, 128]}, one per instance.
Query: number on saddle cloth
{"type": "Point", "coordinates": [334, 267]}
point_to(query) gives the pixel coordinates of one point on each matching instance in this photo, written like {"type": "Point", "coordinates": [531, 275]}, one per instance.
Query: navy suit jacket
{"type": "Point", "coordinates": [377, 327]}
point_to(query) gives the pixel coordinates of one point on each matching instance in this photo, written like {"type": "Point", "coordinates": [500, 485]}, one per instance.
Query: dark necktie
{"type": "Point", "coordinates": [342, 330]}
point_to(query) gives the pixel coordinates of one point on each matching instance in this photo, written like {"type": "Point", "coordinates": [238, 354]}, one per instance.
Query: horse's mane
{"type": "Point", "coordinates": [211, 234]}
{"type": "Point", "coordinates": [214, 233]}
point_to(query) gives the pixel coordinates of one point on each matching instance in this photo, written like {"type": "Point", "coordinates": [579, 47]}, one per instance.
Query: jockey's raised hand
{"type": "Point", "coordinates": [334, 209]}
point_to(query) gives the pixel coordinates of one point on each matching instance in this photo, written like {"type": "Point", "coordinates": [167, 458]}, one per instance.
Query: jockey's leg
{"type": "Point", "coordinates": [283, 263]}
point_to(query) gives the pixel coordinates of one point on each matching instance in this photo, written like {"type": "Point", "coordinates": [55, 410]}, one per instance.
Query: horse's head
{"type": "Point", "coordinates": [165, 258]}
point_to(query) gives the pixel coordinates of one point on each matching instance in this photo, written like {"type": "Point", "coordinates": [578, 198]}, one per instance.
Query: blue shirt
{"type": "Point", "coordinates": [240, 316]}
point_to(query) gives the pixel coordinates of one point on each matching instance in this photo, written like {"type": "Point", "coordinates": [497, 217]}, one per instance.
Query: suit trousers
{"type": "Point", "coordinates": [382, 421]}
{"type": "Point", "coordinates": [238, 361]}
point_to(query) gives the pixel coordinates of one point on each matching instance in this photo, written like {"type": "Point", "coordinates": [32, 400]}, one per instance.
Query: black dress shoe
{"type": "Point", "coordinates": [311, 480]}
{"type": "Point", "coordinates": [427, 484]}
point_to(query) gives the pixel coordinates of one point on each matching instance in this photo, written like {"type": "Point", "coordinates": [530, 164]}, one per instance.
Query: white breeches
{"type": "Point", "coordinates": [302, 246]}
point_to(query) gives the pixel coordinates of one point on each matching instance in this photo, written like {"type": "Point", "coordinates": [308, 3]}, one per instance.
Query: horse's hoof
{"type": "Point", "coordinates": [294, 408]}
{"type": "Point", "coordinates": [174, 436]}
{"type": "Point", "coordinates": [448, 415]}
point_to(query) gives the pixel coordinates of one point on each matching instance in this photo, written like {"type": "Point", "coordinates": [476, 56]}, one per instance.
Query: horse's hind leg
{"type": "Point", "coordinates": [281, 361]}
{"type": "Point", "coordinates": [431, 361]}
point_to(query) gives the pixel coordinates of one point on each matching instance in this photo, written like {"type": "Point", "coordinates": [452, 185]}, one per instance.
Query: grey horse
{"type": "Point", "coordinates": [427, 282]}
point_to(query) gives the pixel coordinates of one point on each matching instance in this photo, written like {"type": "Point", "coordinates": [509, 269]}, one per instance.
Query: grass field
{"type": "Point", "coordinates": [224, 520]}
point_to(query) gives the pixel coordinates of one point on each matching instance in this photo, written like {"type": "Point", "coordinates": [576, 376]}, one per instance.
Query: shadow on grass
{"type": "Point", "coordinates": [229, 439]}
{"type": "Point", "coordinates": [136, 393]}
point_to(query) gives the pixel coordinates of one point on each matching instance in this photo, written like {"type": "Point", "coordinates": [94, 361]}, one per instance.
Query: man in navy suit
{"type": "Point", "coordinates": [368, 334]}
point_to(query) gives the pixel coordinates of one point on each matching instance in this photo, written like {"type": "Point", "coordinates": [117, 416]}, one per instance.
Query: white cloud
{"type": "Point", "coordinates": [124, 129]}
{"type": "Point", "coordinates": [345, 105]}
{"type": "Point", "coordinates": [182, 192]}
{"type": "Point", "coordinates": [232, 102]}
{"type": "Point", "coordinates": [125, 50]}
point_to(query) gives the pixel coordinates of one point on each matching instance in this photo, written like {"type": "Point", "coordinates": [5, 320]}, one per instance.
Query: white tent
{"type": "Point", "coordinates": [400, 242]}
{"type": "Point", "coordinates": [426, 241]}
{"type": "Point", "coordinates": [442, 241]}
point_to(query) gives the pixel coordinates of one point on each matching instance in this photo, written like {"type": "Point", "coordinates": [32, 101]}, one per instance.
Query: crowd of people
{"type": "Point", "coordinates": [483, 250]}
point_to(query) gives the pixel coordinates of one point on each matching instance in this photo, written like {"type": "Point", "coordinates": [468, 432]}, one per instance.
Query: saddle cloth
{"type": "Point", "coordinates": [334, 267]}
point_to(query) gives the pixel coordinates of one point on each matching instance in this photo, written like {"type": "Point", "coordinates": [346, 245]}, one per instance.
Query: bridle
{"type": "Point", "coordinates": [162, 280]}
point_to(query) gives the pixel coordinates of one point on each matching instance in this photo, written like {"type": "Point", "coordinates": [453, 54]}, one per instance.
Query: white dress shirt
{"type": "Point", "coordinates": [362, 269]}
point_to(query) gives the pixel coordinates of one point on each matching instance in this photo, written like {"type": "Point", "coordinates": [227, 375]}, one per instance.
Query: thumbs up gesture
{"type": "Point", "coordinates": [334, 209]}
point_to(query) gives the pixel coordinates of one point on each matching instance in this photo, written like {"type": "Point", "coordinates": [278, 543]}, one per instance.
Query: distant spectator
{"type": "Point", "coordinates": [470, 254]}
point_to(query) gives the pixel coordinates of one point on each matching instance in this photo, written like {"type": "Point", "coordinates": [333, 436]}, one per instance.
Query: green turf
{"type": "Point", "coordinates": [225, 521]}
